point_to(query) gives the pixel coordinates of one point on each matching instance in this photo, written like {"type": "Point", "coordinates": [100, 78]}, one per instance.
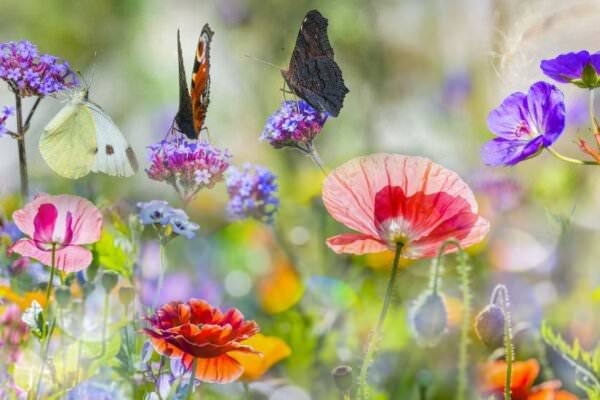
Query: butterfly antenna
{"type": "Point", "coordinates": [264, 62]}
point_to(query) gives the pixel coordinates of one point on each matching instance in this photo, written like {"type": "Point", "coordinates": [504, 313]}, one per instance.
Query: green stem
{"type": "Point", "coordinates": [369, 354]}
{"type": "Point", "coordinates": [161, 274]}
{"type": "Point", "coordinates": [314, 155]}
{"type": "Point", "coordinates": [464, 270]}
{"type": "Point", "coordinates": [500, 296]}
{"type": "Point", "coordinates": [104, 325]}
{"type": "Point", "coordinates": [21, 147]}
{"type": "Point", "coordinates": [46, 340]}
{"type": "Point", "coordinates": [591, 110]}
{"type": "Point", "coordinates": [569, 159]}
{"type": "Point", "coordinates": [188, 395]}
{"type": "Point", "coordinates": [247, 394]}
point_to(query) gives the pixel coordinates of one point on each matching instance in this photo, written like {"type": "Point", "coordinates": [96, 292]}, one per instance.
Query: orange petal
{"type": "Point", "coordinates": [272, 350]}
{"type": "Point", "coordinates": [524, 373]}
{"type": "Point", "coordinates": [221, 369]}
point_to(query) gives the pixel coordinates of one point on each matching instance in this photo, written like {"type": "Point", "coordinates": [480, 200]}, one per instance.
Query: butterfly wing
{"type": "Point", "coordinates": [68, 143]}
{"type": "Point", "coordinates": [184, 117]}
{"type": "Point", "coordinates": [313, 73]}
{"type": "Point", "coordinates": [115, 156]}
{"type": "Point", "coordinates": [201, 78]}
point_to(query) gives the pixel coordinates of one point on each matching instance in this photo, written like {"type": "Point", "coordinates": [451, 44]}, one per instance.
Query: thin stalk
{"type": "Point", "coordinates": [370, 352]}
{"type": "Point", "coordinates": [569, 159]}
{"type": "Point", "coordinates": [247, 394]}
{"type": "Point", "coordinates": [591, 111]}
{"type": "Point", "coordinates": [22, 150]}
{"type": "Point", "coordinates": [190, 387]}
{"type": "Point", "coordinates": [161, 274]}
{"type": "Point", "coordinates": [104, 325]}
{"type": "Point", "coordinates": [314, 155]}
{"type": "Point", "coordinates": [31, 112]}
{"type": "Point", "coordinates": [46, 341]}
{"type": "Point", "coordinates": [464, 270]}
{"type": "Point", "coordinates": [500, 296]}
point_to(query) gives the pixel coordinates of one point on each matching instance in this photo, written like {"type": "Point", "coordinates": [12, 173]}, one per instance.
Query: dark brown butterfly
{"type": "Point", "coordinates": [193, 104]}
{"type": "Point", "coordinates": [313, 75]}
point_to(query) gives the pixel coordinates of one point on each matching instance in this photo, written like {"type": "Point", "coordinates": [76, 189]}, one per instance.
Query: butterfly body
{"type": "Point", "coordinates": [193, 104]}
{"type": "Point", "coordinates": [313, 74]}
{"type": "Point", "coordinates": [82, 138]}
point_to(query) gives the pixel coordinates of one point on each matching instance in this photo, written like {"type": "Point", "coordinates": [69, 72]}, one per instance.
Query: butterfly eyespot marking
{"type": "Point", "coordinates": [110, 150]}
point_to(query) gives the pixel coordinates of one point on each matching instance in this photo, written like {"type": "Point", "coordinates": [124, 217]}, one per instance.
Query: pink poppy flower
{"type": "Point", "coordinates": [64, 221]}
{"type": "Point", "coordinates": [391, 199]}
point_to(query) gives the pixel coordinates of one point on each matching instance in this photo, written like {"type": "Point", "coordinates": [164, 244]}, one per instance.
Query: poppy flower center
{"type": "Point", "coordinates": [394, 233]}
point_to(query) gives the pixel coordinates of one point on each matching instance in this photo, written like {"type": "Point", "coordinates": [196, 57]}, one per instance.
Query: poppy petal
{"type": "Point", "coordinates": [221, 369]}
{"type": "Point", "coordinates": [44, 222]}
{"type": "Point", "coordinates": [356, 243]}
{"type": "Point", "coordinates": [67, 259]}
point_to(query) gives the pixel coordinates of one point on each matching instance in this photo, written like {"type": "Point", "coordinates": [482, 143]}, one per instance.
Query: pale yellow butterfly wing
{"type": "Point", "coordinates": [68, 144]}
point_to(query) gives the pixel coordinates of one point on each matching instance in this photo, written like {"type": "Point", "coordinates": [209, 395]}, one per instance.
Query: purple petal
{"type": "Point", "coordinates": [505, 119]}
{"type": "Point", "coordinates": [595, 60]}
{"type": "Point", "coordinates": [546, 106]}
{"type": "Point", "coordinates": [566, 67]}
{"type": "Point", "coordinates": [501, 151]}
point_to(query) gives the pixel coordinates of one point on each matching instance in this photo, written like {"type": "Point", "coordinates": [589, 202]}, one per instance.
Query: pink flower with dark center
{"type": "Point", "coordinates": [394, 200]}
{"type": "Point", "coordinates": [62, 222]}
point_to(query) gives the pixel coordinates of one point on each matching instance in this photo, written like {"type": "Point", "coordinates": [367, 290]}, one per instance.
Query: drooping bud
{"type": "Point", "coordinates": [126, 295]}
{"type": "Point", "coordinates": [109, 280]}
{"type": "Point", "coordinates": [342, 376]}
{"type": "Point", "coordinates": [489, 326]}
{"type": "Point", "coordinates": [63, 296]}
{"type": "Point", "coordinates": [429, 318]}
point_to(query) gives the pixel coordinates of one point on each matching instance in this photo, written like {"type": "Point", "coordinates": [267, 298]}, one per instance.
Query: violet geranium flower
{"type": "Point", "coordinates": [62, 222]}
{"type": "Point", "coordinates": [581, 69]}
{"type": "Point", "coordinates": [525, 124]}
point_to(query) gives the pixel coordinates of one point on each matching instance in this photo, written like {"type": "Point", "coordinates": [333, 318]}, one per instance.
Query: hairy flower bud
{"type": "Point", "coordinates": [489, 326]}
{"type": "Point", "coordinates": [429, 318]}
{"type": "Point", "coordinates": [342, 376]}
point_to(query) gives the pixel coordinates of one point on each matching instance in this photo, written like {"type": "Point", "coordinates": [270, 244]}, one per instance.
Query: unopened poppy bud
{"type": "Point", "coordinates": [109, 280]}
{"type": "Point", "coordinates": [489, 326]}
{"type": "Point", "coordinates": [88, 288]}
{"type": "Point", "coordinates": [342, 376]}
{"type": "Point", "coordinates": [63, 296]}
{"type": "Point", "coordinates": [429, 319]}
{"type": "Point", "coordinates": [126, 295]}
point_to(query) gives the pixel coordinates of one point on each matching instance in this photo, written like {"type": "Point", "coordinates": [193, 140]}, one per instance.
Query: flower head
{"type": "Point", "coordinates": [64, 223]}
{"type": "Point", "coordinates": [31, 74]}
{"type": "Point", "coordinates": [294, 124]}
{"type": "Point", "coordinates": [196, 330]}
{"type": "Point", "coordinates": [187, 164]}
{"type": "Point", "coordinates": [525, 124]}
{"type": "Point", "coordinates": [252, 193]}
{"type": "Point", "coordinates": [581, 69]}
{"type": "Point", "coordinates": [492, 378]}
{"type": "Point", "coordinates": [4, 115]}
{"type": "Point", "coordinates": [429, 318]}
{"type": "Point", "coordinates": [171, 220]}
{"type": "Point", "coordinates": [396, 200]}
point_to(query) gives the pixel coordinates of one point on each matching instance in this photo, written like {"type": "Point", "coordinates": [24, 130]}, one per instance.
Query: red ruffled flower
{"type": "Point", "coordinates": [197, 330]}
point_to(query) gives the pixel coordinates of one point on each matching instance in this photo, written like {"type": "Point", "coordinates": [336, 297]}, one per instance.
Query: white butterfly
{"type": "Point", "coordinates": [82, 138]}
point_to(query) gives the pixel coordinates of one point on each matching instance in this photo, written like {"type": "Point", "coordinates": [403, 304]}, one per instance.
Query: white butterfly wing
{"type": "Point", "coordinates": [114, 156]}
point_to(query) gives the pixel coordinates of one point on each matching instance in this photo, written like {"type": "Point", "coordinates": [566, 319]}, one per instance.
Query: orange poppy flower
{"type": "Point", "coordinates": [524, 373]}
{"type": "Point", "coordinates": [196, 330]}
{"type": "Point", "coordinates": [273, 350]}
{"type": "Point", "coordinates": [389, 199]}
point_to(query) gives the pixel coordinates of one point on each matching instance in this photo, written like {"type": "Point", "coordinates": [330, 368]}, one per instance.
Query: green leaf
{"type": "Point", "coordinates": [114, 253]}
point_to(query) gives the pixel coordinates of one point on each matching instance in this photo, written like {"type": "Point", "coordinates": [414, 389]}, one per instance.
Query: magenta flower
{"type": "Point", "coordinates": [580, 69]}
{"type": "Point", "coordinates": [525, 124]}
{"type": "Point", "coordinates": [64, 222]}
{"type": "Point", "coordinates": [187, 165]}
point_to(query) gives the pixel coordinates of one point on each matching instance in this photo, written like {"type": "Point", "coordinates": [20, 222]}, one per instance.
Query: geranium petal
{"type": "Point", "coordinates": [501, 151]}
{"type": "Point", "coordinates": [546, 106]}
{"type": "Point", "coordinates": [356, 243]}
{"type": "Point", "coordinates": [506, 119]}
{"type": "Point", "coordinates": [566, 67]}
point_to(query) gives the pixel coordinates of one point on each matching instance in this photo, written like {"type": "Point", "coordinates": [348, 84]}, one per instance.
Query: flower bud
{"type": "Point", "coordinates": [342, 376]}
{"type": "Point", "coordinates": [126, 295]}
{"type": "Point", "coordinates": [88, 288]}
{"type": "Point", "coordinates": [489, 326]}
{"type": "Point", "coordinates": [109, 280]}
{"type": "Point", "coordinates": [429, 319]}
{"type": "Point", "coordinates": [63, 296]}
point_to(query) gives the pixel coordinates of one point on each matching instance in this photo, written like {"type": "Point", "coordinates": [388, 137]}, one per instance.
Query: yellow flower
{"type": "Point", "coordinates": [24, 300]}
{"type": "Point", "coordinates": [273, 350]}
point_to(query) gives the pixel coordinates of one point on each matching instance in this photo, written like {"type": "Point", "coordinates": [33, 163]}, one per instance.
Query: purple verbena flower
{"type": "Point", "coordinates": [31, 74]}
{"type": "Point", "coordinates": [581, 69]}
{"type": "Point", "coordinates": [4, 115]}
{"type": "Point", "coordinates": [294, 124]}
{"type": "Point", "coordinates": [187, 164]}
{"type": "Point", "coordinates": [252, 193]}
{"type": "Point", "coordinates": [525, 124]}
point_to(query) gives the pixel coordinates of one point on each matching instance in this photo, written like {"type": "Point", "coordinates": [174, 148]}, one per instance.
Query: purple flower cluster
{"type": "Point", "coordinates": [187, 164]}
{"type": "Point", "coordinates": [172, 220]}
{"type": "Point", "coordinates": [252, 193]}
{"type": "Point", "coordinates": [6, 112]}
{"type": "Point", "coordinates": [31, 74]}
{"type": "Point", "coordinates": [294, 124]}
